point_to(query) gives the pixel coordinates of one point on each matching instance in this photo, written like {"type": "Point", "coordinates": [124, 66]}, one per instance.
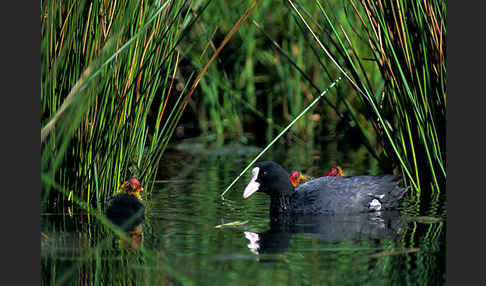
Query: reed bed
{"type": "Point", "coordinates": [406, 42]}
{"type": "Point", "coordinates": [392, 55]}
{"type": "Point", "coordinates": [117, 76]}
{"type": "Point", "coordinates": [266, 76]}
{"type": "Point", "coordinates": [110, 96]}
{"type": "Point", "coordinates": [115, 81]}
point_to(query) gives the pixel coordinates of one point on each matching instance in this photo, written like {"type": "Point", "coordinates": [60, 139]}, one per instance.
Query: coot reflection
{"type": "Point", "coordinates": [328, 229]}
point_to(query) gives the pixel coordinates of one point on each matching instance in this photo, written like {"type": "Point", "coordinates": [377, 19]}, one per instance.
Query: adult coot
{"type": "Point", "coordinates": [332, 195]}
{"type": "Point", "coordinates": [127, 203]}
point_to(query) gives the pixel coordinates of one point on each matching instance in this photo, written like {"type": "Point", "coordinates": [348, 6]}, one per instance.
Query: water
{"type": "Point", "coordinates": [179, 244]}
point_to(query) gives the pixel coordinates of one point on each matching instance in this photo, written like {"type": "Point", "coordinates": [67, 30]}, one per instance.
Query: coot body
{"type": "Point", "coordinates": [126, 207]}
{"type": "Point", "coordinates": [324, 195]}
{"type": "Point", "coordinates": [123, 205]}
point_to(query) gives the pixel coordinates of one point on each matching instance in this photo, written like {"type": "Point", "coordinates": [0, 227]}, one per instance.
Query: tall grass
{"type": "Point", "coordinates": [247, 75]}
{"type": "Point", "coordinates": [400, 115]}
{"type": "Point", "coordinates": [110, 97]}
{"type": "Point", "coordinates": [406, 42]}
{"type": "Point", "coordinates": [265, 76]}
{"type": "Point", "coordinates": [113, 88]}
{"type": "Point", "coordinates": [411, 57]}
{"type": "Point", "coordinates": [392, 55]}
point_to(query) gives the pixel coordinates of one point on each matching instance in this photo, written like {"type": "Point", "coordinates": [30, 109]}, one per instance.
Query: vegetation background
{"type": "Point", "coordinates": [120, 78]}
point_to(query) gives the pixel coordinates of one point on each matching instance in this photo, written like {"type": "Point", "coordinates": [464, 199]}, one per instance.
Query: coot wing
{"type": "Point", "coordinates": [348, 194]}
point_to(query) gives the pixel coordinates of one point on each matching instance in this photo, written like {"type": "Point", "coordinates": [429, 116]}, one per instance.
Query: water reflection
{"type": "Point", "coordinates": [131, 234]}
{"type": "Point", "coordinates": [131, 239]}
{"type": "Point", "coordinates": [131, 229]}
{"type": "Point", "coordinates": [178, 244]}
{"type": "Point", "coordinates": [328, 229]}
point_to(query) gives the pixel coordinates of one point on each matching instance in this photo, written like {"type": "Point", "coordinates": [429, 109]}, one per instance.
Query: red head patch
{"type": "Point", "coordinates": [295, 178]}
{"type": "Point", "coordinates": [334, 172]}
{"type": "Point", "coordinates": [136, 185]}
{"type": "Point", "coordinates": [134, 181]}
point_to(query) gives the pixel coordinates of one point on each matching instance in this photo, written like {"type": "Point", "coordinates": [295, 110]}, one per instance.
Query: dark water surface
{"type": "Point", "coordinates": [179, 244]}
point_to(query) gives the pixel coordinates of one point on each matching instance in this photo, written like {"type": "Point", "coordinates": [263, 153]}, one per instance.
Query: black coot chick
{"type": "Point", "coordinates": [126, 208]}
{"type": "Point", "coordinates": [324, 195]}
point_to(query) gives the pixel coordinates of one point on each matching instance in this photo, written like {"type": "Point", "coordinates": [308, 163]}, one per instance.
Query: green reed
{"type": "Point", "coordinates": [391, 54]}
{"type": "Point", "coordinates": [248, 74]}
{"type": "Point", "coordinates": [112, 88]}
{"type": "Point", "coordinates": [109, 101]}
{"type": "Point", "coordinates": [265, 76]}
{"type": "Point", "coordinates": [404, 41]}
{"type": "Point", "coordinates": [269, 145]}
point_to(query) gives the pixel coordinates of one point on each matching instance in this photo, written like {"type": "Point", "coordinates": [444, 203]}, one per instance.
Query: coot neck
{"type": "Point", "coordinates": [280, 204]}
